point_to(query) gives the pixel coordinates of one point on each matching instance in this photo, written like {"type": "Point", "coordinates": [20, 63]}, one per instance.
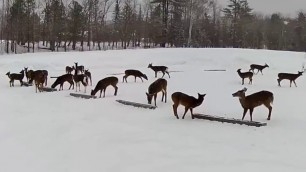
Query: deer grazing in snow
{"type": "Point", "coordinates": [62, 79]}
{"type": "Point", "coordinates": [188, 101]}
{"type": "Point", "coordinates": [245, 75]}
{"type": "Point", "coordinates": [15, 76]}
{"type": "Point", "coordinates": [69, 69]}
{"type": "Point", "coordinates": [258, 67]}
{"type": "Point", "coordinates": [289, 76]}
{"type": "Point", "coordinates": [104, 83]}
{"type": "Point", "coordinates": [160, 85]}
{"type": "Point", "coordinates": [88, 74]}
{"type": "Point", "coordinates": [135, 73]}
{"type": "Point", "coordinates": [163, 69]}
{"type": "Point", "coordinates": [257, 99]}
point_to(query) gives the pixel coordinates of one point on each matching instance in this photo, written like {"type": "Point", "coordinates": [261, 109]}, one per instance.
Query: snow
{"type": "Point", "coordinates": [55, 132]}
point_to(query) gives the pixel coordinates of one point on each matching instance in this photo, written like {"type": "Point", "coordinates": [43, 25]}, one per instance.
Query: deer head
{"type": "Point", "coordinates": [149, 97]}
{"type": "Point", "coordinates": [240, 93]}
{"type": "Point", "coordinates": [150, 65]}
{"type": "Point", "coordinates": [266, 65]}
{"type": "Point", "coordinates": [8, 73]}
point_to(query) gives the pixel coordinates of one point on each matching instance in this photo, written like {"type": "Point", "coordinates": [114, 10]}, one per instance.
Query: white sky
{"type": "Point", "coordinates": [285, 7]}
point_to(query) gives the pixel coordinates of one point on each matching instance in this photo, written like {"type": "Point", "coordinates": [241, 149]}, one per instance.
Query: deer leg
{"type": "Point", "coordinates": [21, 83]}
{"type": "Point", "coordinates": [251, 80]}
{"type": "Point", "coordinates": [79, 86]}
{"type": "Point", "coordinates": [186, 109]}
{"type": "Point", "coordinates": [279, 80]}
{"type": "Point", "coordinates": [191, 113]}
{"type": "Point", "coordinates": [123, 79]}
{"type": "Point", "coordinates": [104, 92]}
{"type": "Point", "coordinates": [155, 74]}
{"type": "Point", "coordinates": [141, 79]}
{"type": "Point", "coordinates": [242, 81]}
{"type": "Point", "coordinates": [165, 96]}
{"type": "Point", "coordinates": [290, 83]}
{"type": "Point", "coordinates": [251, 113]}
{"type": "Point", "coordinates": [261, 72]}
{"type": "Point", "coordinates": [244, 112]}
{"type": "Point", "coordinates": [168, 73]}
{"type": "Point", "coordinates": [175, 110]}
{"type": "Point", "coordinates": [163, 74]}
{"type": "Point", "coordinates": [100, 93]}
{"type": "Point", "coordinates": [155, 95]}
{"type": "Point", "coordinates": [135, 78]}
{"type": "Point", "coordinates": [90, 81]}
{"type": "Point", "coordinates": [294, 83]}
{"type": "Point", "coordinates": [116, 89]}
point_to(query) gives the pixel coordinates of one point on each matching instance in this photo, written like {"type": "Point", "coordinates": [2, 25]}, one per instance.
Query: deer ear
{"type": "Point", "coordinates": [244, 89]}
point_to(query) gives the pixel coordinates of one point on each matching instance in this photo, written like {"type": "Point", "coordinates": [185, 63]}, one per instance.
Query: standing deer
{"type": "Point", "coordinates": [32, 76]}
{"type": "Point", "coordinates": [245, 75]}
{"type": "Point", "coordinates": [39, 79]}
{"type": "Point", "coordinates": [258, 67]}
{"type": "Point", "coordinates": [251, 101]}
{"type": "Point", "coordinates": [163, 69]}
{"type": "Point", "coordinates": [88, 74]}
{"type": "Point", "coordinates": [135, 73]}
{"type": "Point", "coordinates": [15, 76]}
{"type": "Point", "coordinates": [160, 85]}
{"type": "Point", "coordinates": [289, 76]}
{"type": "Point", "coordinates": [69, 69]}
{"type": "Point", "coordinates": [188, 101]}
{"type": "Point", "coordinates": [103, 84]}
{"type": "Point", "coordinates": [62, 79]}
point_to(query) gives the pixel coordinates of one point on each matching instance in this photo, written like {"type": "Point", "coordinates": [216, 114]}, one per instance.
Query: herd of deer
{"type": "Point", "coordinates": [160, 85]}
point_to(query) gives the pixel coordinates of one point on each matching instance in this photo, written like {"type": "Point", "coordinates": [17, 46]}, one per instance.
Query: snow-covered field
{"type": "Point", "coordinates": [54, 132]}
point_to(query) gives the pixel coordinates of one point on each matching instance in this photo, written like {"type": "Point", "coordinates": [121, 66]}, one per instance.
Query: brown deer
{"type": "Point", "coordinates": [39, 79]}
{"type": "Point", "coordinates": [188, 101]}
{"type": "Point", "coordinates": [135, 73]}
{"type": "Point", "coordinates": [251, 101]}
{"type": "Point", "coordinates": [258, 67]}
{"type": "Point", "coordinates": [245, 75]}
{"type": "Point", "coordinates": [32, 76]}
{"type": "Point", "coordinates": [62, 79]}
{"type": "Point", "coordinates": [69, 69]}
{"type": "Point", "coordinates": [88, 74]}
{"type": "Point", "coordinates": [160, 85]}
{"type": "Point", "coordinates": [163, 69]}
{"type": "Point", "coordinates": [15, 76]}
{"type": "Point", "coordinates": [104, 83]}
{"type": "Point", "coordinates": [289, 76]}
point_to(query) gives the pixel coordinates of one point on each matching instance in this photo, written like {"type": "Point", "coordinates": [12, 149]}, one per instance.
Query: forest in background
{"type": "Point", "coordinates": [64, 25]}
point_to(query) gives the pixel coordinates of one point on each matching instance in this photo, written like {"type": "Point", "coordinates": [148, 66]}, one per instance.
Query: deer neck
{"type": "Point", "coordinates": [242, 100]}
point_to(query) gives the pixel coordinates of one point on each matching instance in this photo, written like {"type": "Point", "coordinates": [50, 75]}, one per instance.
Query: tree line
{"type": "Point", "coordinates": [64, 24]}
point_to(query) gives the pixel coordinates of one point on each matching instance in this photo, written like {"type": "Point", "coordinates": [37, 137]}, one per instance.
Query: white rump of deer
{"type": "Point", "coordinates": [251, 101]}
{"type": "Point", "coordinates": [189, 102]}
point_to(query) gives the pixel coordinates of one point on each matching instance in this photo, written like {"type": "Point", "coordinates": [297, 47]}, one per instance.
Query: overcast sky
{"type": "Point", "coordinates": [286, 7]}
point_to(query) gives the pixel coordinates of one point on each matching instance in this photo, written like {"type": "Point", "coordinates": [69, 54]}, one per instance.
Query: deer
{"type": "Point", "coordinates": [69, 69]}
{"type": "Point", "coordinates": [88, 74]}
{"type": "Point", "coordinates": [135, 73]}
{"type": "Point", "coordinates": [189, 102]}
{"type": "Point", "coordinates": [258, 67]}
{"type": "Point", "coordinates": [289, 76]}
{"type": "Point", "coordinates": [79, 78]}
{"type": "Point", "coordinates": [103, 84]}
{"type": "Point", "coordinates": [245, 75]}
{"type": "Point", "coordinates": [62, 79]}
{"type": "Point", "coordinates": [28, 73]}
{"type": "Point", "coordinates": [163, 69]}
{"type": "Point", "coordinates": [39, 79]}
{"type": "Point", "coordinates": [32, 76]}
{"type": "Point", "coordinates": [160, 85]}
{"type": "Point", "coordinates": [79, 68]}
{"type": "Point", "coordinates": [15, 76]}
{"type": "Point", "coordinates": [254, 100]}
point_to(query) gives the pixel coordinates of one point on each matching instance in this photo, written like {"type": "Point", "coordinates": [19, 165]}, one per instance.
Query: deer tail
{"type": "Point", "coordinates": [272, 98]}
